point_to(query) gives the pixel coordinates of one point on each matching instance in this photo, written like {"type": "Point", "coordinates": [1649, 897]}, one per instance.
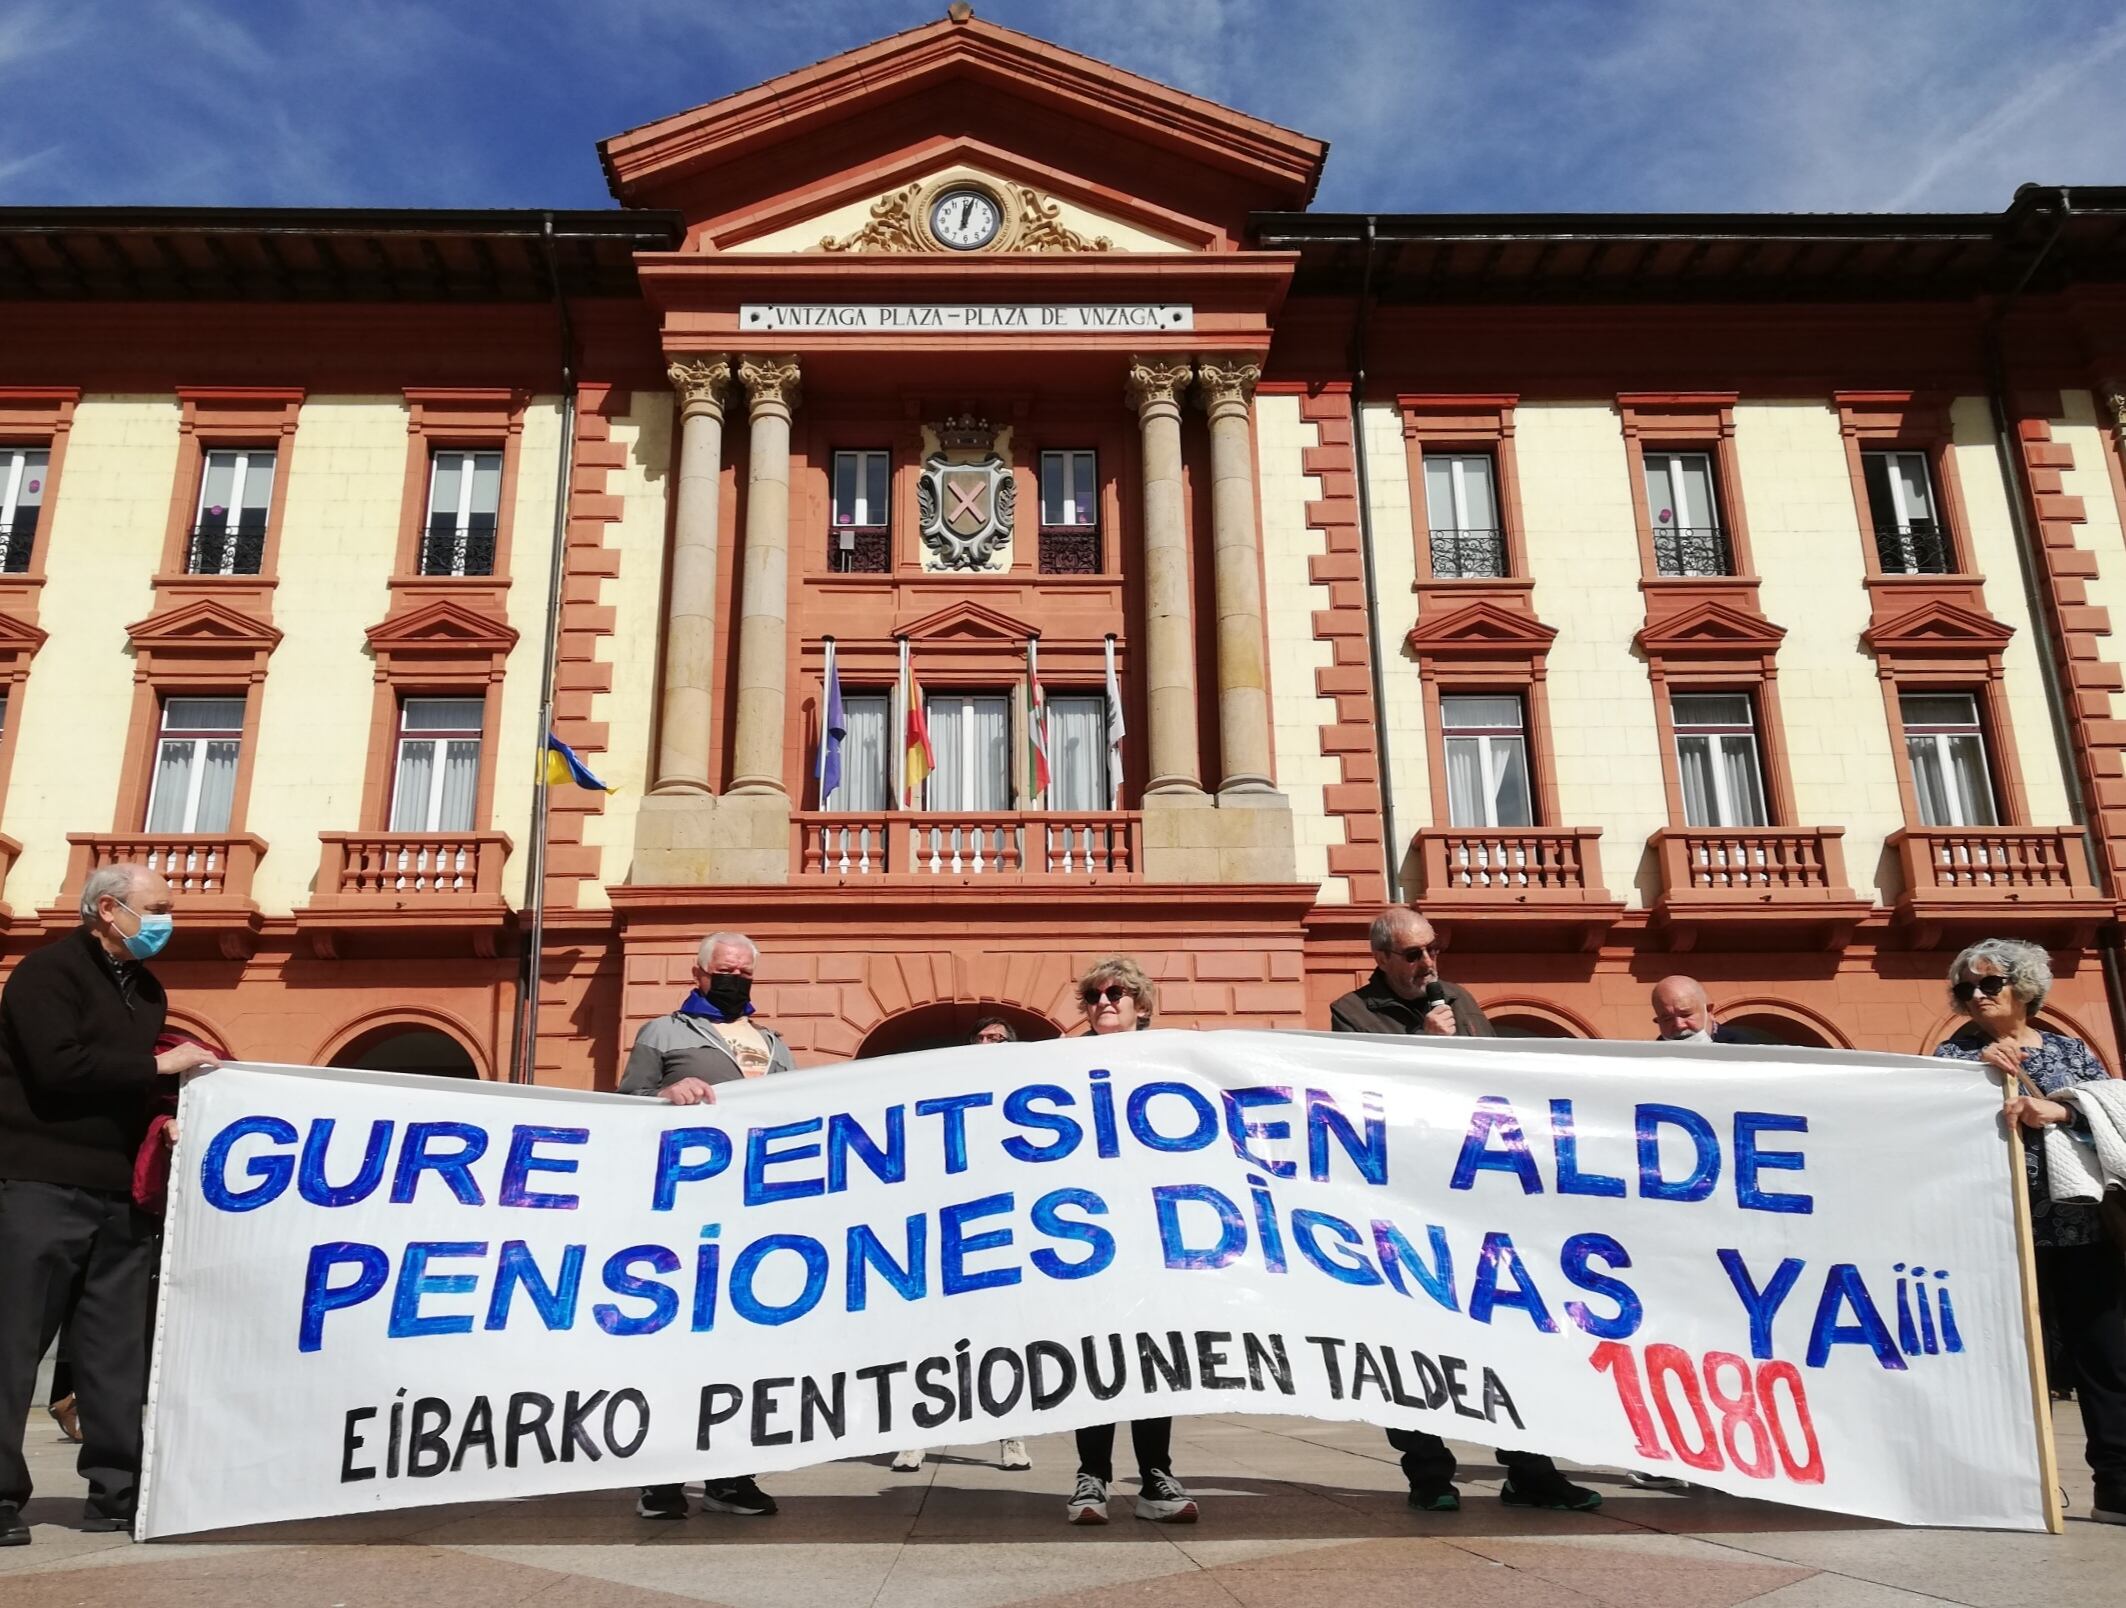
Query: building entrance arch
{"type": "Point", "coordinates": [950, 1022]}
{"type": "Point", "coordinates": [407, 1047]}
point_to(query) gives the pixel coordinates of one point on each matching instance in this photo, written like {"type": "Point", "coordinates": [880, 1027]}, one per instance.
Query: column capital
{"type": "Point", "coordinates": [703, 383]}
{"type": "Point", "coordinates": [1156, 380]}
{"type": "Point", "coordinates": [1226, 382]}
{"type": "Point", "coordinates": [770, 382]}
{"type": "Point", "coordinates": [2115, 405]}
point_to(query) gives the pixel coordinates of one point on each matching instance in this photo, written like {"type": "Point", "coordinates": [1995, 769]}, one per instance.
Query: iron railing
{"type": "Point", "coordinates": [1692, 550]}
{"type": "Point", "coordinates": [1070, 552]}
{"type": "Point", "coordinates": [859, 552]}
{"type": "Point", "coordinates": [446, 550]}
{"type": "Point", "coordinates": [1468, 555]}
{"type": "Point", "coordinates": [225, 550]}
{"type": "Point", "coordinates": [1919, 548]}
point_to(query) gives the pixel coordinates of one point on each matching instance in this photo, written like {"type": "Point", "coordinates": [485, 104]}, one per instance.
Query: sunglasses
{"type": "Point", "coordinates": [1113, 993]}
{"type": "Point", "coordinates": [1988, 986]}
{"type": "Point", "coordinates": [1417, 952]}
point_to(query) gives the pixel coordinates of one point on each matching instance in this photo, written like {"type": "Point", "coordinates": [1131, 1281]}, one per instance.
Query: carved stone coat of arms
{"type": "Point", "coordinates": [964, 505]}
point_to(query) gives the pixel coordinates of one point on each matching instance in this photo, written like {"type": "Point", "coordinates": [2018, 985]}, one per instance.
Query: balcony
{"type": "Point", "coordinates": [1463, 555]}
{"type": "Point", "coordinates": [1918, 548]}
{"type": "Point", "coordinates": [1066, 551]}
{"type": "Point", "coordinates": [1754, 885]}
{"type": "Point", "coordinates": [1692, 550]}
{"type": "Point", "coordinates": [1545, 882]}
{"type": "Point", "coordinates": [209, 875]}
{"type": "Point", "coordinates": [2020, 881]}
{"type": "Point", "coordinates": [853, 550]}
{"type": "Point", "coordinates": [446, 550]}
{"type": "Point", "coordinates": [423, 893]}
{"type": "Point", "coordinates": [1015, 846]}
{"type": "Point", "coordinates": [216, 550]}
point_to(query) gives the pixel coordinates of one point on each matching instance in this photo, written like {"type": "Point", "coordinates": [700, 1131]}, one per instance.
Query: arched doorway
{"type": "Point", "coordinates": [408, 1047]}
{"type": "Point", "coordinates": [1779, 1029]}
{"type": "Point", "coordinates": [937, 1027]}
{"type": "Point", "coordinates": [1520, 1024]}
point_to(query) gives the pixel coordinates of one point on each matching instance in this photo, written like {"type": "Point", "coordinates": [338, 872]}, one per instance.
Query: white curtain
{"type": "Point", "coordinates": [1949, 775]}
{"type": "Point", "coordinates": [173, 787]}
{"type": "Point", "coordinates": [972, 738]}
{"type": "Point", "coordinates": [1077, 754]}
{"type": "Point", "coordinates": [415, 785]}
{"type": "Point", "coordinates": [195, 766]}
{"type": "Point", "coordinates": [866, 759]}
{"type": "Point", "coordinates": [1465, 782]}
{"type": "Point", "coordinates": [1734, 796]}
{"type": "Point", "coordinates": [1745, 781]}
{"type": "Point", "coordinates": [1701, 794]}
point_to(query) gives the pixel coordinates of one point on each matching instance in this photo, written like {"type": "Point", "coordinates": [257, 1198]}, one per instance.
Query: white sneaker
{"type": "Point", "coordinates": [907, 1462]}
{"type": "Point", "coordinates": [1163, 1501]}
{"type": "Point", "coordinates": [1012, 1454]}
{"type": "Point", "coordinates": [1088, 1503]}
{"type": "Point", "coordinates": [1657, 1482]}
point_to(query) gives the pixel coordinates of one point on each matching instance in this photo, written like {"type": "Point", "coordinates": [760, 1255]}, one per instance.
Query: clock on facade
{"type": "Point", "coordinates": [966, 219]}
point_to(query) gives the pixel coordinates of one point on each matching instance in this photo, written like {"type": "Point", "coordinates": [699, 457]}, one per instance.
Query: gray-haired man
{"type": "Point", "coordinates": [711, 1038]}
{"type": "Point", "coordinates": [78, 1024]}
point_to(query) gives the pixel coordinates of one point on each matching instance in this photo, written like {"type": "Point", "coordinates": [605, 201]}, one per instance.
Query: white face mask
{"type": "Point", "coordinates": [1702, 1036]}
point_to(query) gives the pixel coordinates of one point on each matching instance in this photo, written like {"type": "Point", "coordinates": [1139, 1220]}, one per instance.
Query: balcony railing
{"type": "Point", "coordinates": [1750, 860]}
{"type": "Point", "coordinates": [1915, 549]}
{"type": "Point", "coordinates": [1029, 844]}
{"type": "Point", "coordinates": [1539, 862]}
{"type": "Point", "coordinates": [1467, 555]}
{"type": "Point", "coordinates": [225, 551]}
{"type": "Point", "coordinates": [859, 552]}
{"type": "Point", "coordinates": [1692, 550]}
{"type": "Point", "coordinates": [1999, 861]}
{"type": "Point", "coordinates": [411, 867]}
{"type": "Point", "coordinates": [18, 539]}
{"type": "Point", "coordinates": [454, 552]}
{"type": "Point", "coordinates": [214, 868]}
{"type": "Point", "coordinates": [1070, 552]}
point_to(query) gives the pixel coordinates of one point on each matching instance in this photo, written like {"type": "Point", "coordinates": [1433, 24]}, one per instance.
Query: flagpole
{"type": "Point", "coordinates": [1036, 709]}
{"type": "Point", "coordinates": [819, 762]}
{"type": "Point", "coordinates": [900, 736]}
{"type": "Point", "coordinates": [1114, 753]}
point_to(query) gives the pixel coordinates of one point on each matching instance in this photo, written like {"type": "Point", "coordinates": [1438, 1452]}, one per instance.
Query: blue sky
{"type": "Point", "coordinates": [1446, 105]}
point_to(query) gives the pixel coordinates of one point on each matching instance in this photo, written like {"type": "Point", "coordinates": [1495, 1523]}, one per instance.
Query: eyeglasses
{"type": "Point", "coordinates": [1113, 993]}
{"type": "Point", "coordinates": [1417, 952]}
{"type": "Point", "coordinates": [1988, 986]}
{"type": "Point", "coordinates": [991, 1038]}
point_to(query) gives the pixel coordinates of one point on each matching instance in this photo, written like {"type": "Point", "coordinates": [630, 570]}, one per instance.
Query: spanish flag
{"type": "Point", "coordinates": [562, 765]}
{"type": "Point", "coordinates": [922, 758]}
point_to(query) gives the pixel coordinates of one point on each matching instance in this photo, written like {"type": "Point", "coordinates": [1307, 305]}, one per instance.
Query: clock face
{"type": "Point", "coordinates": [965, 219]}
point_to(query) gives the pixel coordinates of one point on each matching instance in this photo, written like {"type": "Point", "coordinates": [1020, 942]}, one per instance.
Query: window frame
{"type": "Point", "coordinates": [880, 529]}
{"type": "Point", "coordinates": [1674, 458]}
{"type": "Point", "coordinates": [1465, 425]}
{"type": "Point", "coordinates": [1906, 421]}
{"type": "Point", "coordinates": [1485, 737]}
{"type": "Point", "coordinates": [884, 695]}
{"type": "Point", "coordinates": [1013, 734]}
{"type": "Point", "coordinates": [1104, 801]}
{"type": "Point", "coordinates": [437, 738]}
{"type": "Point", "coordinates": [1893, 482]}
{"type": "Point", "coordinates": [1095, 528]}
{"type": "Point", "coordinates": [1687, 423]}
{"type": "Point", "coordinates": [2002, 788]}
{"type": "Point", "coordinates": [199, 737]}
{"type": "Point", "coordinates": [228, 419]}
{"type": "Point", "coordinates": [1678, 732]}
{"type": "Point", "coordinates": [457, 419]}
{"type": "Point", "coordinates": [233, 533]}
{"type": "Point", "coordinates": [1456, 458]}
{"type": "Point", "coordinates": [462, 530]}
{"type": "Point", "coordinates": [14, 471]}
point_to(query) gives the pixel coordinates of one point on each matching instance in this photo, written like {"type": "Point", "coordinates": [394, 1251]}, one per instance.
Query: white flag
{"type": "Point", "coordinates": [1115, 731]}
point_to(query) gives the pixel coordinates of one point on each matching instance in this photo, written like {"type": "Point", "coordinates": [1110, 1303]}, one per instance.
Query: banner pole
{"type": "Point", "coordinates": [2048, 1463]}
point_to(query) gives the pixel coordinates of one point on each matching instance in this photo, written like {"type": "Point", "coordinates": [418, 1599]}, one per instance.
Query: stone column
{"type": "Point", "coordinates": [1225, 385]}
{"type": "Point", "coordinates": [764, 605]}
{"type": "Point", "coordinates": [703, 385]}
{"type": "Point", "coordinates": [1169, 659]}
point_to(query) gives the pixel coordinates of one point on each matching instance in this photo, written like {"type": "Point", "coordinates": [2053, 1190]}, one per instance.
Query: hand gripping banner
{"type": "Point", "coordinates": [1784, 1274]}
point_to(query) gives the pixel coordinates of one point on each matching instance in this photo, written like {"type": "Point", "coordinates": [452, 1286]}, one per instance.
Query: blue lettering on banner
{"type": "Point", "coordinates": [271, 1171]}
{"type": "Point", "coordinates": [1574, 1260]}
{"type": "Point", "coordinates": [453, 1167]}
{"type": "Point", "coordinates": [415, 1281]}
{"type": "Point", "coordinates": [311, 1182]}
{"type": "Point", "coordinates": [622, 1281]}
{"type": "Point", "coordinates": [1494, 1114]}
{"type": "Point", "coordinates": [1232, 1231]}
{"type": "Point", "coordinates": [1749, 1160]}
{"type": "Point", "coordinates": [1019, 1110]}
{"type": "Point", "coordinates": [673, 1169]}
{"type": "Point", "coordinates": [1648, 1120]}
{"type": "Point", "coordinates": [761, 1155]}
{"type": "Point", "coordinates": [524, 1160]}
{"type": "Point", "coordinates": [1141, 1127]}
{"type": "Point", "coordinates": [1238, 1102]}
{"type": "Point", "coordinates": [321, 1295]}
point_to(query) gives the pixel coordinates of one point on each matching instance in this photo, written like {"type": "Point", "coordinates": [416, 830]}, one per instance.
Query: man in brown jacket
{"type": "Point", "coordinates": [1394, 1000]}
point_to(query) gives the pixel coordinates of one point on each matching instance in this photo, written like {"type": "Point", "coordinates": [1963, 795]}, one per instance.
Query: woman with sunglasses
{"type": "Point", "coordinates": [2081, 1286]}
{"type": "Point", "coordinates": [1117, 997]}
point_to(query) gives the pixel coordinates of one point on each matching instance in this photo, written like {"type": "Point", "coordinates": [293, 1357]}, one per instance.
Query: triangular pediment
{"type": "Point", "coordinates": [1937, 625]}
{"type": "Point", "coordinates": [1711, 628]}
{"type": "Point", "coordinates": [203, 625]}
{"type": "Point", "coordinates": [19, 638]}
{"type": "Point", "coordinates": [963, 78]}
{"type": "Point", "coordinates": [442, 627]}
{"type": "Point", "coordinates": [1478, 627]}
{"type": "Point", "coordinates": [964, 623]}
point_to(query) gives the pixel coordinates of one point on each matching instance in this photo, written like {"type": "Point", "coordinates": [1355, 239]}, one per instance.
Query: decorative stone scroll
{"type": "Point", "coordinates": [899, 222]}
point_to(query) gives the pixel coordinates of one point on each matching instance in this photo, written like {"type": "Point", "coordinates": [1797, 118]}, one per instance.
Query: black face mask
{"type": "Point", "coordinates": [729, 993]}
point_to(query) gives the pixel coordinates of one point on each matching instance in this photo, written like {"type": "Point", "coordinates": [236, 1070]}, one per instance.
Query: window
{"type": "Point", "coordinates": [1685, 513]}
{"type": "Point", "coordinates": [1070, 513]}
{"type": "Point", "coordinates": [860, 543]}
{"type": "Point", "coordinates": [195, 765]}
{"type": "Point", "coordinates": [971, 735]}
{"type": "Point", "coordinates": [437, 788]}
{"type": "Point", "coordinates": [1947, 749]}
{"type": "Point", "coordinates": [1077, 754]}
{"type": "Point", "coordinates": [22, 473]}
{"type": "Point", "coordinates": [1487, 762]}
{"type": "Point", "coordinates": [464, 499]}
{"type": "Point", "coordinates": [1462, 510]}
{"type": "Point", "coordinates": [1717, 759]}
{"type": "Point", "coordinates": [229, 532]}
{"type": "Point", "coordinates": [866, 782]}
{"type": "Point", "coordinates": [1908, 535]}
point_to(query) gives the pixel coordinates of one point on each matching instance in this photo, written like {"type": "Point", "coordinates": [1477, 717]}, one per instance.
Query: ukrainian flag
{"type": "Point", "coordinates": [562, 765]}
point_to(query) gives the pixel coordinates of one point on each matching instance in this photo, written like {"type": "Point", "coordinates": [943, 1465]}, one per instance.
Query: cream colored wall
{"type": "Point", "coordinates": [1291, 597]}
{"type": "Point", "coordinates": [102, 546]}
{"type": "Point", "coordinates": [1797, 493]}
{"type": "Point", "coordinates": [2078, 427]}
{"type": "Point", "coordinates": [531, 544]}
{"type": "Point", "coordinates": [1993, 555]}
{"type": "Point", "coordinates": [846, 220]}
{"type": "Point", "coordinates": [1395, 574]}
{"type": "Point", "coordinates": [635, 597]}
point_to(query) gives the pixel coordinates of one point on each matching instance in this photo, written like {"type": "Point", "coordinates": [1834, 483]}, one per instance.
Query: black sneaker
{"type": "Point", "coordinates": [1440, 1498]}
{"type": "Point", "coordinates": [736, 1496]}
{"type": "Point", "coordinates": [94, 1521]}
{"type": "Point", "coordinates": [1556, 1493]}
{"type": "Point", "coordinates": [1161, 1499]}
{"type": "Point", "coordinates": [661, 1502]}
{"type": "Point", "coordinates": [2110, 1504]}
{"type": "Point", "coordinates": [13, 1532]}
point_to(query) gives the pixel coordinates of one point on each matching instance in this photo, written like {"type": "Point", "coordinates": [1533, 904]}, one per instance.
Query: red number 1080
{"type": "Point", "coordinates": [1752, 1435]}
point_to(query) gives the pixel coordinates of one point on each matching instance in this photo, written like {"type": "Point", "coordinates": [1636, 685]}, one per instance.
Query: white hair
{"type": "Point", "coordinates": [717, 940]}
{"type": "Point", "coordinates": [1381, 935]}
{"type": "Point", "coordinates": [2027, 967]}
{"type": "Point", "coordinates": [113, 881]}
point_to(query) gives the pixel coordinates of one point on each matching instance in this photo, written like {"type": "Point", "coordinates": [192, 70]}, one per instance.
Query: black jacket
{"type": "Point", "coordinates": [1377, 1008]}
{"type": "Point", "coordinates": [77, 1067]}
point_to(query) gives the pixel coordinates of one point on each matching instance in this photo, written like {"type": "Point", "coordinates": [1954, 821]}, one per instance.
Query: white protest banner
{"type": "Point", "coordinates": [1782, 1274]}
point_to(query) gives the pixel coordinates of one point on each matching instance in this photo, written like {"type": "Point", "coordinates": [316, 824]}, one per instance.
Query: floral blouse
{"type": "Point", "coordinates": [2056, 1063]}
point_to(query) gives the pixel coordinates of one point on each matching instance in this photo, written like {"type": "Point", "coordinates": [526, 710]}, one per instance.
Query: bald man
{"type": "Point", "coordinates": [1684, 1015]}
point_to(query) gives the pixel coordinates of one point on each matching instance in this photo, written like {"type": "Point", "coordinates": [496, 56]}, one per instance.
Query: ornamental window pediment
{"type": "Point", "coordinates": [960, 210]}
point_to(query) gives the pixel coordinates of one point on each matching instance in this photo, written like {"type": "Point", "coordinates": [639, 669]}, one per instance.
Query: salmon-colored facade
{"type": "Point", "coordinates": [1635, 594]}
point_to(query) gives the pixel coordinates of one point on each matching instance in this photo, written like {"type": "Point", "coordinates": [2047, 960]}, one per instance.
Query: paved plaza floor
{"type": "Point", "coordinates": [1295, 1514]}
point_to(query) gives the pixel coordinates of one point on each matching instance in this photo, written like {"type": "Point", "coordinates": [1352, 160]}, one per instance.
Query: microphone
{"type": "Point", "coordinates": [1435, 994]}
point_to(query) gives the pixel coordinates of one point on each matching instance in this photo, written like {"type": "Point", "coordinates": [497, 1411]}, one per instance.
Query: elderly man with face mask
{"type": "Point", "coordinates": [1684, 1015]}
